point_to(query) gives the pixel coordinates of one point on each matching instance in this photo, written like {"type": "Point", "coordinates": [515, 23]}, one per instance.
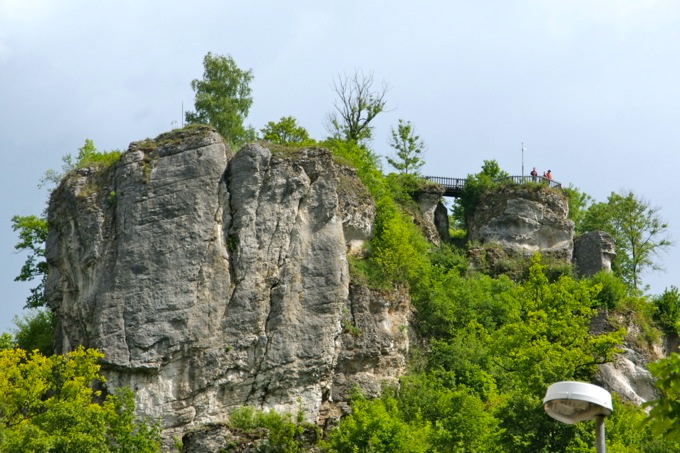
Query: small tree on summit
{"type": "Point", "coordinates": [223, 98]}
{"type": "Point", "coordinates": [356, 107]}
{"type": "Point", "coordinates": [409, 147]}
{"type": "Point", "coordinates": [286, 132]}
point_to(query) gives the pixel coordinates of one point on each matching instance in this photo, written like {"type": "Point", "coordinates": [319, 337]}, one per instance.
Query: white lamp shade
{"type": "Point", "coordinates": [572, 402]}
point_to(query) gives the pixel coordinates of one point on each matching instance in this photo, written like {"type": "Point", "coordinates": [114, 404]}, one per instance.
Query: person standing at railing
{"type": "Point", "coordinates": [548, 176]}
{"type": "Point", "coordinates": [534, 175]}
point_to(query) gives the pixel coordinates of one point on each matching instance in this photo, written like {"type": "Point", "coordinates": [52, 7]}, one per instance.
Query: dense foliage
{"type": "Point", "coordinates": [475, 187]}
{"type": "Point", "coordinates": [49, 404]}
{"type": "Point", "coordinates": [286, 132]}
{"type": "Point", "coordinates": [35, 331]}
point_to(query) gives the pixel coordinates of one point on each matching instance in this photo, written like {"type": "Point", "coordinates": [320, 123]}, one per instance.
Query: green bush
{"type": "Point", "coordinates": [35, 331]}
{"type": "Point", "coordinates": [668, 309]}
{"type": "Point", "coordinates": [613, 290]}
{"type": "Point", "coordinates": [276, 432]}
{"type": "Point", "coordinates": [376, 426]}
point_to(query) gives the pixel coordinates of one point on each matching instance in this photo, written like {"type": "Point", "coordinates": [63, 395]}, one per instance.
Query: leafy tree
{"type": "Point", "coordinates": [668, 309]}
{"type": "Point", "coordinates": [377, 426]}
{"type": "Point", "coordinates": [409, 147]}
{"type": "Point", "coordinates": [578, 204]}
{"type": "Point", "coordinates": [663, 417]}
{"type": "Point", "coordinates": [32, 236]}
{"type": "Point", "coordinates": [613, 290]}
{"type": "Point", "coordinates": [223, 98]}
{"type": "Point", "coordinates": [286, 132]}
{"type": "Point", "coordinates": [639, 233]}
{"type": "Point", "coordinates": [35, 331]}
{"type": "Point", "coordinates": [475, 186]}
{"type": "Point", "coordinates": [6, 341]}
{"type": "Point", "coordinates": [47, 404]}
{"type": "Point", "coordinates": [397, 250]}
{"type": "Point", "coordinates": [628, 431]}
{"type": "Point", "coordinates": [460, 418]}
{"type": "Point", "coordinates": [357, 105]}
{"type": "Point", "coordinates": [546, 338]}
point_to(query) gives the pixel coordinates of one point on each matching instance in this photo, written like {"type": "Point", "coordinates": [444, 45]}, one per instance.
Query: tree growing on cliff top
{"type": "Point", "coordinates": [357, 105]}
{"type": "Point", "coordinates": [639, 233]}
{"type": "Point", "coordinates": [409, 148]}
{"type": "Point", "coordinates": [475, 185]}
{"type": "Point", "coordinates": [286, 132]}
{"type": "Point", "coordinates": [223, 98]}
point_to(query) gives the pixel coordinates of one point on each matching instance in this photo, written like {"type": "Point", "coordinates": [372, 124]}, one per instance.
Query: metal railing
{"type": "Point", "coordinates": [453, 187]}
{"type": "Point", "coordinates": [531, 179]}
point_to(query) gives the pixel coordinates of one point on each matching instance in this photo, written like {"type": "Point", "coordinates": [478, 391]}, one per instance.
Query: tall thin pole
{"type": "Point", "coordinates": [522, 159]}
{"type": "Point", "coordinates": [182, 114]}
{"type": "Point", "coordinates": [600, 445]}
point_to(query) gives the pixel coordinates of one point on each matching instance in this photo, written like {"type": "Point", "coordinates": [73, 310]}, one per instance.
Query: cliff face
{"type": "Point", "coordinates": [213, 280]}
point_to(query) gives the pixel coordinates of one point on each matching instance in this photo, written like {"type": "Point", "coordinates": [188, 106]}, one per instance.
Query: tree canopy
{"type": "Point", "coordinates": [223, 98]}
{"type": "Point", "coordinates": [286, 132]}
{"type": "Point", "coordinates": [48, 404]}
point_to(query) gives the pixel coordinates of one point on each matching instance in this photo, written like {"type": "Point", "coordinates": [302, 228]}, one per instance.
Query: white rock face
{"type": "Point", "coordinates": [524, 219]}
{"type": "Point", "coordinates": [628, 378]}
{"type": "Point", "coordinates": [212, 281]}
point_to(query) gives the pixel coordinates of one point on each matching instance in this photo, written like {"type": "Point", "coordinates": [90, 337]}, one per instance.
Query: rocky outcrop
{"type": "Point", "coordinates": [524, 219]}
{"type": "Point", "coordinates": [441, 222]}
{"type": "Point", "coordinates": [428, 201]}
{"type": "Point", "coordinates": [593, 252]}
{"type": "Point", "coordinates": [627, 375]}
{"type": "Point", "coordinates": [211, 280]}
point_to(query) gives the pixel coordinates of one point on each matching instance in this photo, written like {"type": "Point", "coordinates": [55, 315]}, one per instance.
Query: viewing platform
{"type": "Point", "coordinates": [453, 187]}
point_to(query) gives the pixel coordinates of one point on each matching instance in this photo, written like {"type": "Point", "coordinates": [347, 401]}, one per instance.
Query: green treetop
{"type": "Point", "coordinates": [286, 132]}
{"type": "Point", "coordinates": [223, 98]}
{"type": "Point", "coordinates": [409, 148]}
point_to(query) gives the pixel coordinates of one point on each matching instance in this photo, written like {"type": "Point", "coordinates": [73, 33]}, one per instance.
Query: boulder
{"type": "Point", "coordinates": [593, 252]}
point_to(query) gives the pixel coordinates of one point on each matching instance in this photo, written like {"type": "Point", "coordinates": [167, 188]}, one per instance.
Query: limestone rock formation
{"type": "Point", "coordinates": [428, 203]}
{"type": "Point", "coordinates": [211, 280]}
{"type": "Point", "coordinates": [593, 252]}
{"type": "Point", "coordinates": [627, 375]}
{"type": "Point", "coordinates": [524, 219]}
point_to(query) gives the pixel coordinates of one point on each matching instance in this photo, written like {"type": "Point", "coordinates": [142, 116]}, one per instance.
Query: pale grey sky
{"type": "Point", "coordinates": [591, 87]}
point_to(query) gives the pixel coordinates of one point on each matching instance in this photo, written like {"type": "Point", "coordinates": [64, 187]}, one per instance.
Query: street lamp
{"type": "Point", "coordinates": [572, 402]}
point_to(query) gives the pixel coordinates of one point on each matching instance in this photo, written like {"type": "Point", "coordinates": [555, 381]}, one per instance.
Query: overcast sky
{"type": "Point", "coordinates": [591, 87]}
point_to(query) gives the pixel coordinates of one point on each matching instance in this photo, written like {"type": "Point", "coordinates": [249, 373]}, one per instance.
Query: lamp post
{"type": "Point", "coordinates": [571, 402]}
